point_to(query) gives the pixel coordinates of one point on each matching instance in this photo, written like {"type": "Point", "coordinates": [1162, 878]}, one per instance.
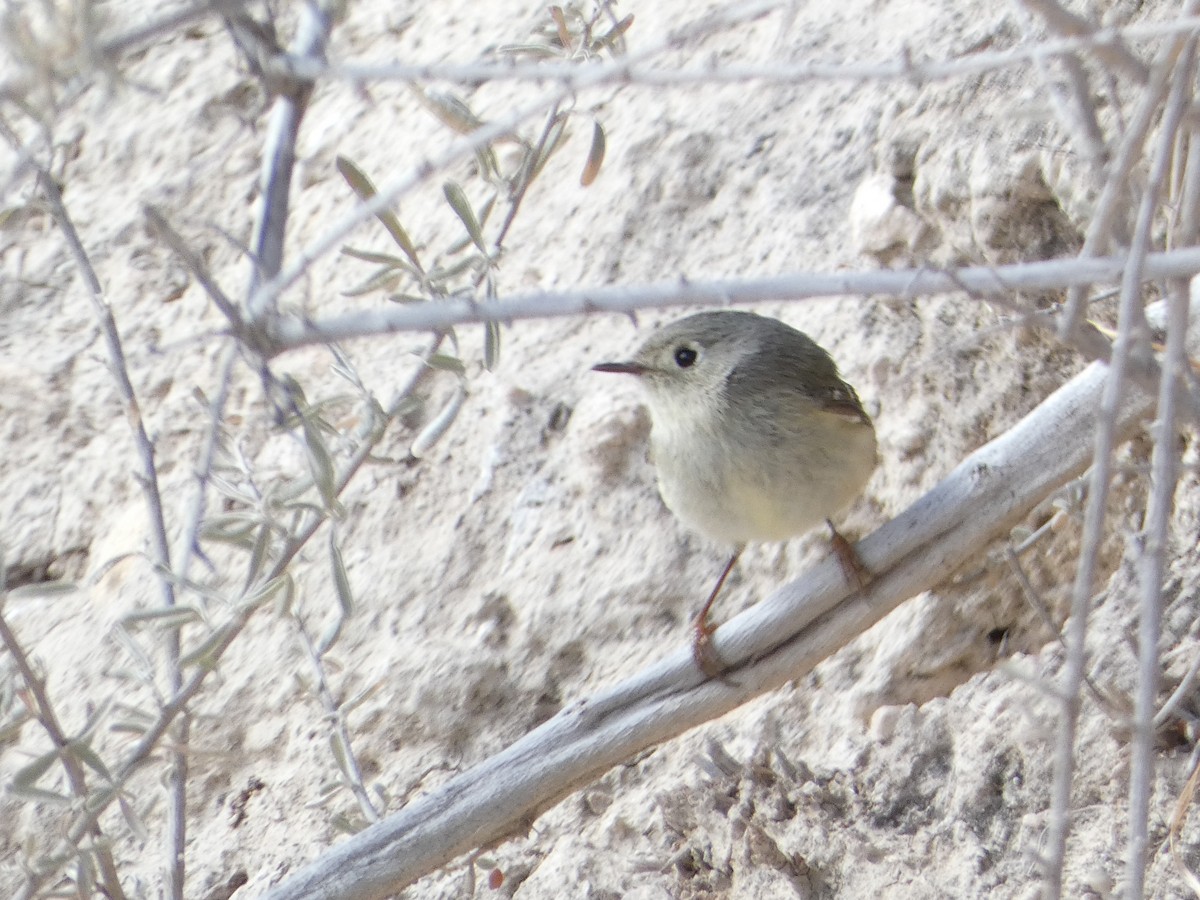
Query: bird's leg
{"type": "Point", "coordinates": [853, 567]}
{"type": "Point", "coordinates": [706, 658]}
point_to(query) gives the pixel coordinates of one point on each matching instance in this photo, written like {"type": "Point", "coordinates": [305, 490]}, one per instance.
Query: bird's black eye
{"type": "Point", "coordinates": [685, 357]}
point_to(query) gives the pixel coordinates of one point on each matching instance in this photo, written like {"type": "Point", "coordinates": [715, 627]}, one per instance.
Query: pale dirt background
{"type": "Point", "coordinates": [528, 560]}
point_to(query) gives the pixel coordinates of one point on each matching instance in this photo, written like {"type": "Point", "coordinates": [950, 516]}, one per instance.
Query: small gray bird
{"type": "Point", "coordinates": [755, 436]}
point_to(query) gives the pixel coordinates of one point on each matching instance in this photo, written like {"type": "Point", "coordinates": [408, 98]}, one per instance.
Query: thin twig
{"type": "Point", "coordinates": [149, 474]}
{"type": "Point", "coordinates": [526, 179]}
{"type": "Point", "coordinates": [279, 155]}
{"type": "Point", "coordinates": [1032, 597]}
{"type": "Point", "coordinates": [1183, 691]}
{"type": "Point", "coordinates": [160, 550]}
{"type": "Point", "coordinates": [194, 264]}
{"type": "Point", "coordinates": [43, 711]}
{"type": "Point", "coordinates": [1035, 601]}
{"type": "Point", "coordinates": [1183, 803]}
{"type": "Point", "coordinates": [1163, 477]}
{"type": "Point", "coordinates": [1112, 52]}
{"type": "Point", "coordinates": [349, 767]}
{"type": "Point", "coordinates": [1131, 338]}
{"type": "Point", "coordinates": [1106, 225]}
{"type": "Point", "coordinates": [149, 743]}
{"type": "Point", "coordinates": [193, 509]}
{"type": "Point", "coordinates": [1075, 107]}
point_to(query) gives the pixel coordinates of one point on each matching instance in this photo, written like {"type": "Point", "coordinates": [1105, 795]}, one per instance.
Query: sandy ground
{"type": "Point", "coordinates": [527, 560]}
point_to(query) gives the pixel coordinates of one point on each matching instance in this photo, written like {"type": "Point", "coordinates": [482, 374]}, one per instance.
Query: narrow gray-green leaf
{"type": "Point", "coordinates": [457, 247]}
{"type": "Point", "coordinates": [95, 718]}
{"type": "Point", "coordinates": [341, 580]}
{"type": "Point", "coordinates": [27, 777]}
{"type": "Point", "coordinates": [40, 795]}
{"type": "Point", "coordinates": [361, 697]}
{"type": "Point", "coordinates": [383, 280]}
{"type": "Point", "coordinates": [595, 156]}
{"type": "Point", "coordinates": [258, 553]}
{"type": "Point", "coordinates": [433, 432]}
{"type": "Point", "coordinates": [44, 589]}
{"type": "Point", "coordinates": [383, 259]}
{"type": "Point", "coordinates": [457, 198]}
{"type": "Point", "coordinates": [100, 798]}
{"type": "Point", "coordinates": [330, 635]}
{"type": "Point", "coordinates": [491, 345]}
{"type": "Point", "coordinates": [451, 110]}
{"type": "Point", "coordinates": [122, 636]}
{"type": "Point", "coordinates": [85, 754]}
{"type": "Point", "coordinates": [241, 519]}
{"type": "Point", "coordinates": [442, 276]}
{"type": "Point", "coordinates": [341, 754]}
{"type": "Point", "coordinates": [320, 463]}
{"type": "Point", "coordinates": [287, 601]}
{"type": "Point", "coordinates": [11, 216]}
{"type": "Point", "coordinates": [11, 730]}
{"type": "Point", "coordinates": [486, 211]}
{"type": "Point", "coordinates": [162, 617]}
{"type": "Point", "coordinates": [132, 819]}
{"type": "Point", "coordinates": [537, 50]}
{"type": "Point", "coordinates": [446, 363]}
{"type": "Point", "coordinates": [489, 168]}
{"type": "Point", "coordinates": [235, 537]}
{"type": "Point", "coordinates": [613, 35]}
{"type": "Point", "coordinates": [204, 654]}
{"type": "Point", "coordinates": [365, 189]}
{"type": "Point", "coordinates": [265, 592]}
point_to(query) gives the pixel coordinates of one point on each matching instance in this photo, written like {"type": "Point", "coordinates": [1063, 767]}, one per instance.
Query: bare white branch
{"type": "Point", "coordinates": [628, 70]}
{"type": "Point", "coordinates": [289, 333]}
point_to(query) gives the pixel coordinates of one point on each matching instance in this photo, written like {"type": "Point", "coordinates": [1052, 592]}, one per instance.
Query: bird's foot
{"type": "Point", "coordinates": [704, 654]}
{"type": "Point", "coordinates": [855, 570]}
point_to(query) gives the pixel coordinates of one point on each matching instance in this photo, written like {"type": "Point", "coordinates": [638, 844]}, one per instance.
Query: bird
{"type": "Point", "coordinates": [755, 437]}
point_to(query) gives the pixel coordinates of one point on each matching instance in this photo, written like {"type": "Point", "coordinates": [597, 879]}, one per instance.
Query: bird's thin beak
{"type": "Point", "coordinates": [627, 368]}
